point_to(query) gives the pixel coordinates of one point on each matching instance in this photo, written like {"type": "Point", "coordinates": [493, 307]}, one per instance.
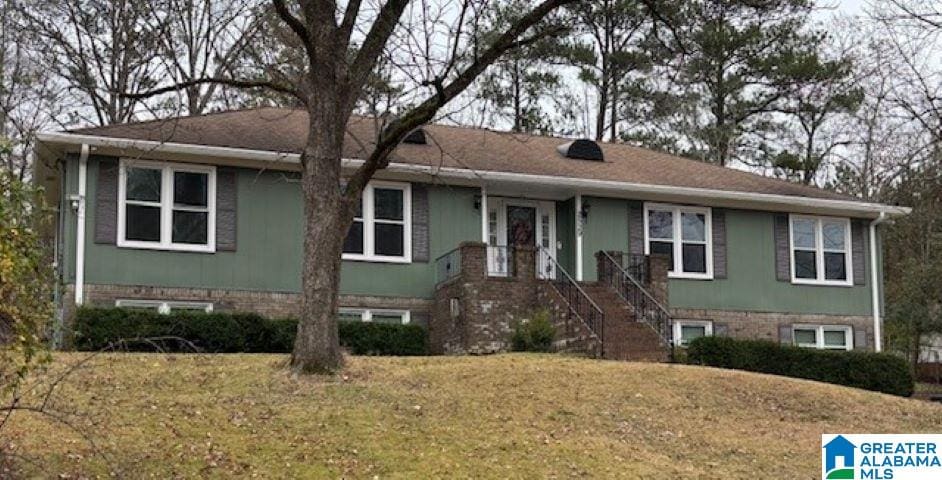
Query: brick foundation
{"type": "Point", "coordinates": [269, 304]}
{"type": "Point", "coordinates": [767, 325]}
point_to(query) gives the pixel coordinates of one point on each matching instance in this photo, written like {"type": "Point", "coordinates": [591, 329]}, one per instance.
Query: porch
{"type": "Point", "coordinates": [483, 290]}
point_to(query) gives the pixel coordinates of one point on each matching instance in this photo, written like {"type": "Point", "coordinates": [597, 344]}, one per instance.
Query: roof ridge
{"type": "Point", "coordinates": [184, 117]}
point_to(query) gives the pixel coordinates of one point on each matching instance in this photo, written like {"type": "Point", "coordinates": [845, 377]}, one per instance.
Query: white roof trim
{"type": "Point", "coordinates": [477, 176]}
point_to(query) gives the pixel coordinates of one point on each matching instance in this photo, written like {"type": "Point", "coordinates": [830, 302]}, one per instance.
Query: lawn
{"type": "Point", "coordinates": [502, 416]}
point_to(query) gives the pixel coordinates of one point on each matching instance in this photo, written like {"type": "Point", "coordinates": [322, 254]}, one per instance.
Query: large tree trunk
{"type": "Point", "coordinates": [327, 219]}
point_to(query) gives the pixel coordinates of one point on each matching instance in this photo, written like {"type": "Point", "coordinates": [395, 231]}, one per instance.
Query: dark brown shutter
{"type": "Point", "coordinates": [636, 228]}
{"type": "Point", "coordinates": [106, 202]}
{"type": "Point", "coordinates": [785, 334]}
{"type": "Point", "coordinates": [859, 251]}
{"type": "Point", "coordinates": [719, 243]}
{"type": "Point", "coordinates": [420, 233]}
{"type": "Point", "coordinates": [783, 272]}
{"type": "Point", "coordinates": [226, 215]}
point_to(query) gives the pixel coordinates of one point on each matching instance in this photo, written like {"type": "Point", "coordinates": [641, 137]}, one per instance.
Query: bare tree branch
{"type": "Point", "coordinates": [393, 134]}
{"type": "Point", "coordinates": [231, 82]}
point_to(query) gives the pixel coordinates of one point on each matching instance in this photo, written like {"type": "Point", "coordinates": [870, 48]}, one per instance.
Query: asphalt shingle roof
{"type": "Point", "coordinates": [285, 131]}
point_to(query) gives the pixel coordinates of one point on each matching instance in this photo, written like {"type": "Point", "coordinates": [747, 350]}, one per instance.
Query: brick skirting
{"type": "Point", "coordinates": [268, 304]}
{"type": "Point", "coordinates": [767, 325]}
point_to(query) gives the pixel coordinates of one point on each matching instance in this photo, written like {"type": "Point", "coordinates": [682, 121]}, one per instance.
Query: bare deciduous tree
{"type": "Point", "coordinates": [203, 39]}
{"type": "Point", "coordinates": [340, 48]}
{"type": "Point", "coordinates": [28, 95]}
{"type": "Point", "coordinates": [97, 49]}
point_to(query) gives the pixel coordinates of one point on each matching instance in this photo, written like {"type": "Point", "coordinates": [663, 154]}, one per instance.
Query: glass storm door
{"type": "Point", "coordinates": [520, 222]}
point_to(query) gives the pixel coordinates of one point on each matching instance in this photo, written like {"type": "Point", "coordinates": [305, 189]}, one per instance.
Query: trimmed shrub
{"type": "Point", "coordinates": [368, 338]}
{"type": "Point", "coordinates": [534, 335]}
{"type": "Point", "coordinates": [879, 372]}
{"type": "Point", "coordinates": [96, 328]}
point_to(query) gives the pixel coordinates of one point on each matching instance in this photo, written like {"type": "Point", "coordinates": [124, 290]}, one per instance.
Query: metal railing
{"type": "Point", "coordinates": [580, 304]}
{"type": "Point", "coordinates": [636, 265]}
{"type": "Point", "coordinates": [448, 266]}
{"type": "Point", "coordinates": [646, 308]}
{"type": "Point", "coordinates": [500, 261]}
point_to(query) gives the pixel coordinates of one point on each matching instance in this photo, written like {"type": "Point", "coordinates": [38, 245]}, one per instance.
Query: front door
{"type": "Point", "coordinates": [521, 225]}
{"type": "Point", "coordinates": [514, 222]}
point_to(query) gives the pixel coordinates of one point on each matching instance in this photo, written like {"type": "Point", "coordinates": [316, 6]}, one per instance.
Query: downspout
{"type": "Point", "coordinates": [578, 237]}
{"type": "Point", "coordinates": [80, 228]}
{"type": "Point", "coordinates": [875, 284]}
{"type": "Point", "coordinates": [485, 235]}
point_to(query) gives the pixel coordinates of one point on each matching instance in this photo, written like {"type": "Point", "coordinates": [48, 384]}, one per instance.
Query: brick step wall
{"type": "Point", "coordinates": [625, 338]}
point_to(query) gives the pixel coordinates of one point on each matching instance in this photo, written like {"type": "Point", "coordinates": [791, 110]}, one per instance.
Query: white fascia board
{"type": "Point", "coordinates": [291, 161]}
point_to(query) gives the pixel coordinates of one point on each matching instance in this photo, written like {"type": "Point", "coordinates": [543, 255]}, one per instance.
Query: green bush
{"type": "Point", "coordinates": [880, 372]}
{"type": "Point", "coordinates": [367, 338]}
{"type": "Point", "coordinates": [96, 328]}
{"type": "Point", "coordinates": [535, 334]}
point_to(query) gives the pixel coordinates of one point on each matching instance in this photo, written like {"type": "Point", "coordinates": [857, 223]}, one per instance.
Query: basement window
{"type": "Point", "coordinates": [685, 331]}
{"type": "Point", "coordinates": [682, 233]}
{"type": "Point", "coordinates": [393, 317]}
{"type": "Point", "coordinates": [165, 306]}
{"type": "Point", "coordinates": [382, 228]}
{"type": "Point", "coordinates": [825, 337]}
{"type": "Point", "coordinates": [166, 206]}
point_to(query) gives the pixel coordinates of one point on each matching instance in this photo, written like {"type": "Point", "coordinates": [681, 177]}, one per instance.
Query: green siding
{"type": "Point", "coordinates": [452, 220]}
{"type": "Point", "coordinates": [751, 283]}
{"type": "Point", "coordinates": [268, 255]}
{"type": "Point", "coordinates": [566, 235]}
{"type": "Point", "coordinates": [606, 228]}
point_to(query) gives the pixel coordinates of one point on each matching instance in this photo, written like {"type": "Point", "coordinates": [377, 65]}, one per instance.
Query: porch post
{"type": "Point", "coordinates": [578, 225]}
{"type": "Point", "coordinates": [484, 222]}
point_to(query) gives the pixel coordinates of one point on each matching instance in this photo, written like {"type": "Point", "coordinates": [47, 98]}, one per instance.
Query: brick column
{"type": "Point", "coordinates": [473, 259]}
{"type": "Point", "coordinates": [524, 262]}
{"type": "Point", "coordinates": [658, 266]}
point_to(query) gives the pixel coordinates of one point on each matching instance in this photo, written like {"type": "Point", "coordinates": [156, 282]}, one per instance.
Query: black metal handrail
{"type": "Point", "coordinates": [636, 265]}
{"type": "Point", "coordinates": [448, 266]}
{"type": "Point", "coordinates": [579, 302]}
{"type": "Point", "coordinates": [647, 308]}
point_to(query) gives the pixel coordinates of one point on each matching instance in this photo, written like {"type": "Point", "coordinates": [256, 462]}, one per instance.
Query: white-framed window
{"type": "Point", "coordinates": [382, 228]}
{"type": "Point", "coordinates": [166, 206]}
{"type": "Point", "coordinates": [820, 250]}
{"type": "Point", "coordinates": [378, 315]}
{"type": "Point", "coordinates": [165, 306]}
{"type": "Point", "coordinates": [685, 331]}
{"type": "Point", "coordinates": [685, 234]}
{"type": "Point", "coordinates": [827, 337]}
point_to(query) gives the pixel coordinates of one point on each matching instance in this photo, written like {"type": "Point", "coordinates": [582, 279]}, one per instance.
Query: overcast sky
{"type": "Point", "coordinates": [850, 7]}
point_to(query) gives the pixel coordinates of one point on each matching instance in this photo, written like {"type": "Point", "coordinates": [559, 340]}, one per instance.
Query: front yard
{"type": "Point", "coordinates": [503, 416]}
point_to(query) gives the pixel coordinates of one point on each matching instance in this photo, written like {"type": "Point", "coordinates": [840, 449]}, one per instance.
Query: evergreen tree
{"type": "Point", "coordinates": [824, 90]}
{"type": "Point", "coordinates": [526, 88]}
{"type": "Point", "coordinates": [613, 54]}
{"type": "Point", "coordinates": [740, 61]}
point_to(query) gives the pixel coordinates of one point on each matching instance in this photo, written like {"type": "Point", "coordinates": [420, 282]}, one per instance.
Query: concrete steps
{"type": "Point", "coordinates": [625, 338]}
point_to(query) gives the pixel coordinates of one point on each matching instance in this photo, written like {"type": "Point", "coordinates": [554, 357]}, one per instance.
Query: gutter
{"type": "Point", "coordinates": [80, 227]}
{"type": "Point", "coordinates": [875, 284]}
{"type": "Point", "coordinates": [771, 201]}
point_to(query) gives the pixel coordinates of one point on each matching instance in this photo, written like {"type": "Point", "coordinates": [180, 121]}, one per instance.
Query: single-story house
{"type": "Point", "coordinates": [467, 231]}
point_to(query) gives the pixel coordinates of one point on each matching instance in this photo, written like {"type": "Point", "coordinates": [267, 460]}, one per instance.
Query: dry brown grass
{"type": "Point", "coordinates": [504, 416]}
